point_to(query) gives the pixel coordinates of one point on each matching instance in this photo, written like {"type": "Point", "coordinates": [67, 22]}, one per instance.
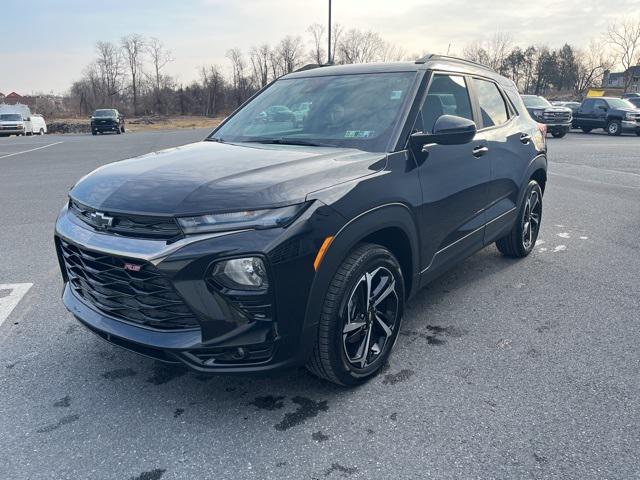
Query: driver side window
{"type": "Point", "coordinates": [447, 95]}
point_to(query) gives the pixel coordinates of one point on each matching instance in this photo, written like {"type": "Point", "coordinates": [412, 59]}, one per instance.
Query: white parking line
{"type": "Point", "coordinates": [30, 150]}
{"type": "Point", "coordinates": [10, 296]}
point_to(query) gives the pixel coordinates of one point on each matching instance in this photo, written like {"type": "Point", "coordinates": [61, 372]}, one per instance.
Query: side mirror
{"type": "Point", "coordinates": [448, 130]}
{"type": "Point", "coordinates": [603, 107]}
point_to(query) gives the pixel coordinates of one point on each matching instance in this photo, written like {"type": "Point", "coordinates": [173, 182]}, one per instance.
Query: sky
{"type": "Point", "coordinates": [46, 46]}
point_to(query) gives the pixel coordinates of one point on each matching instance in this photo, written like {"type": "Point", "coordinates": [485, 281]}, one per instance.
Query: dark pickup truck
{"type": "Point", "coordinates": [556, 118]}
{"type": "Point", "coordinates": [614, 115]}
{"type": "Point", "coordinates": [107, 120]}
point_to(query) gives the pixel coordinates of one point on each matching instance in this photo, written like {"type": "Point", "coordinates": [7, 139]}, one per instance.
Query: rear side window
{"type": "Point", "coordinates": [447, 95]}
{"type": "Point", "coordinates": [492, 106]}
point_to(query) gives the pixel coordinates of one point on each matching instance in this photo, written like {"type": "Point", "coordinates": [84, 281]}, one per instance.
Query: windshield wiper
{"type": "Point", "coordinates": [289, 141]}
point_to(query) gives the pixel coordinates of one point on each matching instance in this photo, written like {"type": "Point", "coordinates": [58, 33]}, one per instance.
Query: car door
{"type": "Point", "coordinates": [511, 149]}
{"type": "Point", "coordinates": [585, 113]}
{"type": "Point", "coordinates": [600, 112]}
{"type": "Point", "coordinates": [454, 179]}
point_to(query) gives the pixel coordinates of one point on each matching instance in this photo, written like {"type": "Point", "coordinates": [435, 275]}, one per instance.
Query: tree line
{"type": "Point", "coordinates": [132, 74]}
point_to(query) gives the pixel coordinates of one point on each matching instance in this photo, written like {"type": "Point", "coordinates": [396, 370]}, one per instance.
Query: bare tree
{"type": "Point", "coordinates": [492, 52]}
{"type": "Point", "coordinates": [318, 53]}
{"type": "Point", "coordinates": [133, 47]}
{"type": "Point", "coordinates": [336, 36]}
{"type": "Point", "coordinates": [160, 57]}
{"type": "Point", "coordinates": [111, 69]}
{"type": "Point", "coordinates": [624, 38]}
{"type": "Point", "coordinates": [212, 81]}
{"type": "Point", "coordinates": [289, 53]}
{"type": "Point", "coordinates": [357, 46]}
{"type": "Point", "coordinates": [240, 82]}
{"type": "Point", "coordinates": [260, 58]}
{"type": "Point", "coordinates": [592, 63]}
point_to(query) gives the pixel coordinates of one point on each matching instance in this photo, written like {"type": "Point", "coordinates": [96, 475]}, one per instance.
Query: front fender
{"type": "Point", "coordinates": [393, 215]}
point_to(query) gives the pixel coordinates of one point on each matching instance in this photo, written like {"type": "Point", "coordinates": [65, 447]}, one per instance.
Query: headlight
{"type": "Point", "coordinates": [630, 116]}
{"type": "Point", "coordinates": [246, 273]}
{"type": "Point", "coordinates": [258, 219]}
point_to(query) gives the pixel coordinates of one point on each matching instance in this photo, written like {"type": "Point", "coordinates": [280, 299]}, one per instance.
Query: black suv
{"type": "Point", "coordinates": [614, 115]}
{"type": "Point", "coordinates": [556, 118]}
{"type": "Point", "coordinates": [297, 241]}
{"type": "Point", "coordinates": [107, 120]}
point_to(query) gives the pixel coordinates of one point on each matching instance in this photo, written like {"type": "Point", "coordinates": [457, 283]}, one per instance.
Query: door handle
{"type": "Point", "coordinates": [525, 138]}
{"type": "Point", "coordinates": [480, 150]}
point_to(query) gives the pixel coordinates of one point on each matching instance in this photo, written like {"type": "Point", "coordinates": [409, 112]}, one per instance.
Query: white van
{"type": "Point", "coordinates": [38, 125]}
{"type": "Point", "coordinates": [18, 120]}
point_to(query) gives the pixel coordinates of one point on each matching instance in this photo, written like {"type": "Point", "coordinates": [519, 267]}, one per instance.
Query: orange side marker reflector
{"type": "Point", "coordinates": [321, 252]}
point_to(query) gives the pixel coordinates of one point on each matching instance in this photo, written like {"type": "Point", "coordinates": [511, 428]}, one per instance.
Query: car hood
{"type": "Point", "coordinates": [549, 109]}
{"type": "Point", "coordinates": [211, 176]}
{"type": "Point", "coordinates": [628, 110]}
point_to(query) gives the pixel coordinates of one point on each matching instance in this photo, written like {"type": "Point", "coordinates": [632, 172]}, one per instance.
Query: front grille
{"type": "Point", "coordinates": [165, 228]}
{"type": "Point", "coordinates": [145, 297]}
{"type": "Point", "coordinates": [563, 117]}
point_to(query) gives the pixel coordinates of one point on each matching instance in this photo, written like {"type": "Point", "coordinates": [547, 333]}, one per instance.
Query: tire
{"type": "Point", "coordinates": [118, 131]}
{"type": "Point", "coordinates": [29, 134]}
{"type": "Point", "coordinates": [586, 129]}
{"type": "Point", "coordinates": [558, 134]}
{"type": "Point", "coordinates": [94, 132]}
{"type": "Point", "coordinates": [41, 132]}
{"type": "Point", "coordinates": [344, 329]}
{"type": "Point", "coordinates": [519, 242]}
{"type": "Point", "coordinates": [122, 129]}
{"type": "Point", "coordinates": [614, 128]}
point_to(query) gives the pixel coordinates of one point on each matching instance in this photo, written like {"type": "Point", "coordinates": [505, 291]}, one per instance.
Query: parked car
{"type": "Point", "coordinates": [573, 106]}
{"type": "Point", "coordinates": [635, 101]}
{"type": "Point", "coordinates": [18, 120]}
{"type": "Point", "coordinates": [629, 95]}
{"type": "Point", "coordinates": [38, 125]}
{"type": "Point", "coordinates": [557, 119]}
{"type": "Point", "coordinates": [614, 115]}
{"type": "Point", "coordinates": [267, 246]}
{"type": "Point", "coordinates": [12, 124]}
{"type": "Point", "coordinates": [107, 120]}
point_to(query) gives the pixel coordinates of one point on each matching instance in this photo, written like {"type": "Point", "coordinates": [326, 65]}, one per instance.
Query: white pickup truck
{"type": "Point", "coordinates": [18, 120]}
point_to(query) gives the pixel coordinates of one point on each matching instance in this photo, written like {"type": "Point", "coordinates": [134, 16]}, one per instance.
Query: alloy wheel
{"type": "Point", "coordinates": [370, 318]}
{"type": "Point", "coordinates": [531, 219]}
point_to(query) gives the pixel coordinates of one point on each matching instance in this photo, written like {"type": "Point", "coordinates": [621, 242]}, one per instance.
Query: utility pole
{"type": "Point", "coordinates": [329, 36]}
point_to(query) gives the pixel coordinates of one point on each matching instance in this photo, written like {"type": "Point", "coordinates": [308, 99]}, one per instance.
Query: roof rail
{"type": "Point", "coordinates": [434, 56]}
{"type": "Point", "coordinates": [311, 66]}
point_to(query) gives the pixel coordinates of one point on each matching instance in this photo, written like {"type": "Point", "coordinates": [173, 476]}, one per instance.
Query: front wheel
{"type": "Point", "coordinates": [614, 128]}
{"type": "Point", "coordinates": [586, 129]}
{"type": "Point", "coordinates": [519, 242]}
{"type": "Point", "coordinates": [360, 318]}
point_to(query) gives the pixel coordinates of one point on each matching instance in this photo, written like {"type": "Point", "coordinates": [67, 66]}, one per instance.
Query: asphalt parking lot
{"type": "Point", "coordinates": [504, 369]}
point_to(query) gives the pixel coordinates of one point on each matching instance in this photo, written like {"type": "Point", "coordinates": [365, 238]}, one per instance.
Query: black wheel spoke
{"type": "Point", "coordinates": [370, 317]}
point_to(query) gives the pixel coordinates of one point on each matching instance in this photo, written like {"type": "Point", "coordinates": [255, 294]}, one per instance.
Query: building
{"type": "Point", "coordinates": [1, 97]}
{"type": "Point", "coordinates": [617, 79]}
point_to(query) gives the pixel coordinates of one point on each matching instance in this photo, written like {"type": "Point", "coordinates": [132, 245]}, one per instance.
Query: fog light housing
{"type": "Point", "coordinates": [248, 273]}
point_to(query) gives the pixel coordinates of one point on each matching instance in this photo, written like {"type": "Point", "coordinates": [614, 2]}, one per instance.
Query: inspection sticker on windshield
{"type": "Point", "coordinates": [396, 94]}
{"type": "Point", "coordinates": [359, 133]}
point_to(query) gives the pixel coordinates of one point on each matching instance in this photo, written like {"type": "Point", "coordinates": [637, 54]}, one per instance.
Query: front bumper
{"type": "Point", "coordinates": [12, 130]}
{"type": "Point", "coordinates": [105, 127]}
{"type": "Point", "coordinates": [630, 126]}
{"type": "Point", "coordinates": [226, 338]}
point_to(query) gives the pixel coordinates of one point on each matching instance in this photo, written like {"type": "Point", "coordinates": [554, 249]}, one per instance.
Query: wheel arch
{"type": "Point", "coordinates": [392, 226]}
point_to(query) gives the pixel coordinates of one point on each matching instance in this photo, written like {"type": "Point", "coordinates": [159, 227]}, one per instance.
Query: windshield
{"type": "Point", "coordinates": [619, 103]}
{"type": "Point", "coordinates": [104, 113]}
{"type": "Point", "coordinates": [11, 117]}
{"type": "Point", "coordinates": [356, 111]}
{"type": "Point", "coordinates": [533, 101]}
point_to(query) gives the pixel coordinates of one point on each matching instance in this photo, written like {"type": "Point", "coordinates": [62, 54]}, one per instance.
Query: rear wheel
{"type": "Point", "coordinates": [41, 131]}
{"type": "Point", "coordinates": [519, 242]}
{"type": "Point", "coordinates": [614, 128]}
{"type": "Point", "coordinates": [586, 129]}
{"type": "Point", "coordinates": [360, 318]}
{"type": "Point", "coordinates": [558, 134]}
